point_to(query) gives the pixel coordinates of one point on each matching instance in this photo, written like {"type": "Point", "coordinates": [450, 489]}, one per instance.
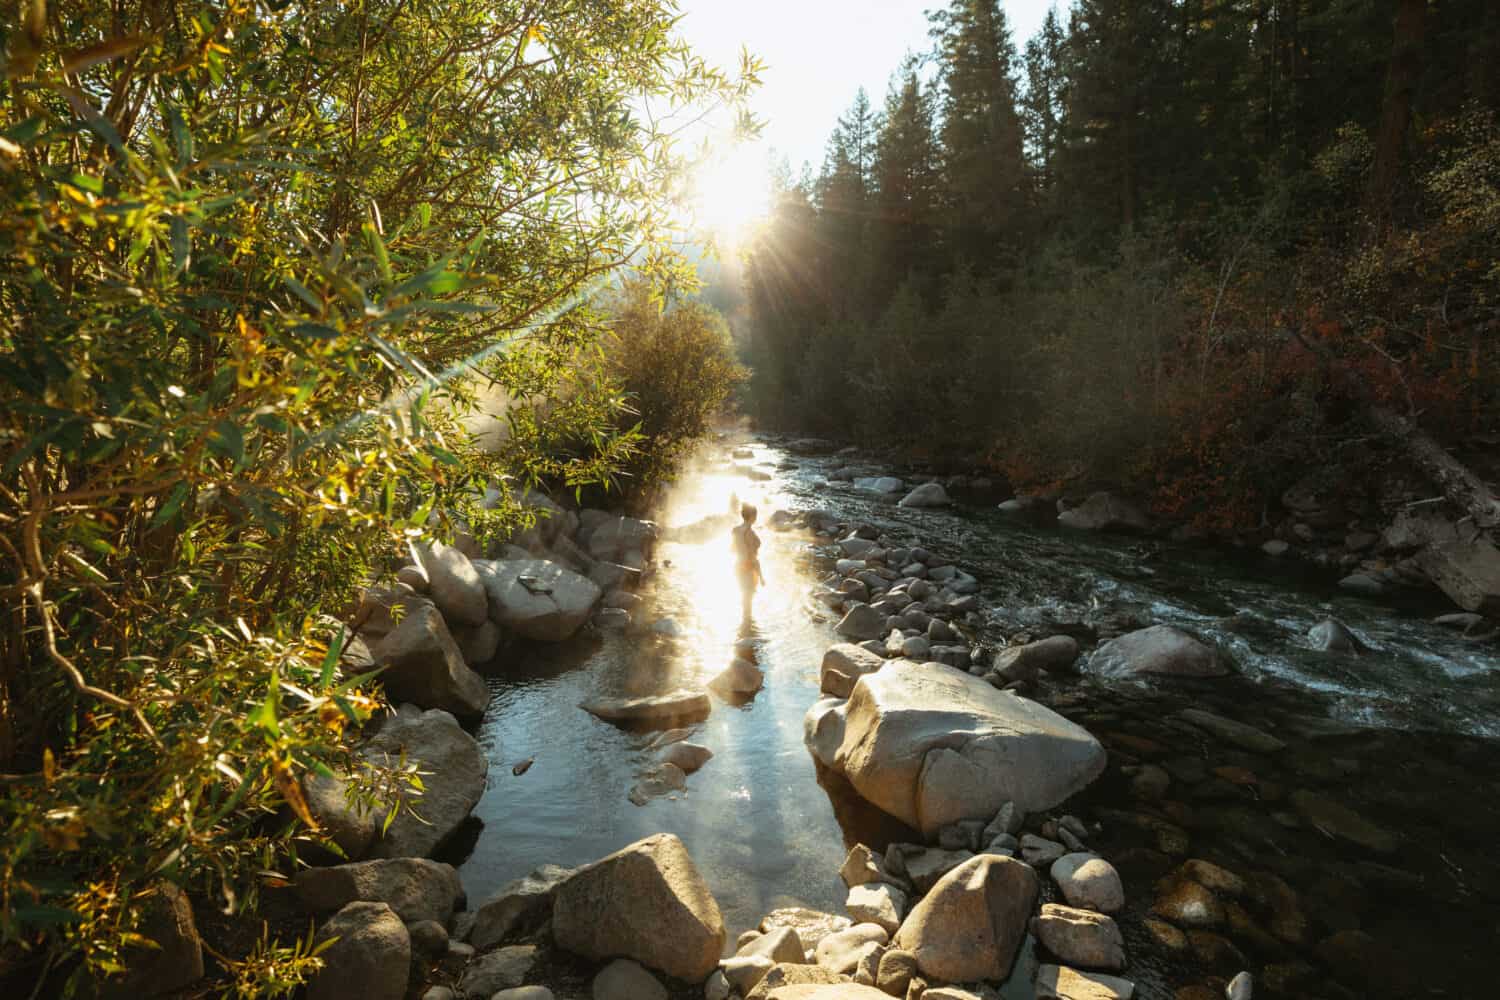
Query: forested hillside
{"type": "Point", "coordinates": [1182, 247]}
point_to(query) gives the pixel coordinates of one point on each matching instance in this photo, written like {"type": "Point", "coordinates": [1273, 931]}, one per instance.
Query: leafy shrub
{"type": "Point", "coordinates": [243, 249]}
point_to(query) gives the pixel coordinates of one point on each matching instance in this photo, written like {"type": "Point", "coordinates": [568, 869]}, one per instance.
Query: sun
{"type": "Point", "coordinates": [730, 193]}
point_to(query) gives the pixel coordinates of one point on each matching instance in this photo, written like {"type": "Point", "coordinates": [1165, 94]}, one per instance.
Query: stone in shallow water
{"type": "Point", "coordinates": [453, 770]}
{"type": "Point", "coordinates": [654, 710]}
{"type": "Point", "coordinates": [1344, 823]}
{"type": "Point", "coordinates": [1159, 649]}
{"type": "Point", "coordinates": [1244, 736]}
{"type": "Point", "coordinates": [1189, 904]}
{"type": "Point", "coordinates": [931, 745]}
{"type": "Point", "coordinates": [688, 756]}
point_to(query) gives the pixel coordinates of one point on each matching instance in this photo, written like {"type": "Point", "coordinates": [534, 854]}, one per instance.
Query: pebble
{"type": "Point", "coordinates": [1039, 851]}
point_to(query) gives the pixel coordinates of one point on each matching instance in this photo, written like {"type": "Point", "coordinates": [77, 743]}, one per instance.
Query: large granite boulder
{"type": "Point", "coordinates": [932, 745]}
{"type": "Point", "coordinates": [424, 665]}
{"type": "Point", "coordinates": [537, 598]}
{"type": "Point", "coordinates": [415, 888]}
{"type": "Point", "coordinates": [1161, 650]}
{"type": "Point", "coordinates": [371, 958]}
{"type": "Point", "coordinates": [453, 584]}
{"type": "Point", "coordinates": [1105, 512]}
{"type": "Point", "coordinates": [972, 923]}
{"type": "Point", "coordinates": [453, 771]}
{"type": "Point", "coordinates": [646, 902]}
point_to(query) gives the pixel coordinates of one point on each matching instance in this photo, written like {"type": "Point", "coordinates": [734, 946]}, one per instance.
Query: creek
{"type": "Point", "coordinates": [1402, 740]}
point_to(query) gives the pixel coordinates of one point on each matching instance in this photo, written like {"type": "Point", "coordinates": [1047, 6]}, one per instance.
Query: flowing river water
{"type": "Point", "coordinates": [1367, 845]}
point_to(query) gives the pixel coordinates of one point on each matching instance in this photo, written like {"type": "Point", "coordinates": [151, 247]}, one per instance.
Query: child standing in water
{"type": "Point", "coordinates": [747, 557]}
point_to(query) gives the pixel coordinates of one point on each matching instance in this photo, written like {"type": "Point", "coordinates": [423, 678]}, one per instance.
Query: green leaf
{"type": "Point", "coordinates": [169, 509]}
{"type": "Point", "coordinates": [377, 247]}
{"type": "Point", "coordinates": [182, 245]}
{"type": "Point", "coordinates": [303, 292]}
{"type": "Point", "coordinates": [86, 183]}
{"type": "Point", "coordinates": [331, 658]}
{"type": "Point", "coordinates": [228, 441]}
{"type": "Point", "coordinates": [263, 716]}
{"type": "Point", "coordinates": [181, 137]}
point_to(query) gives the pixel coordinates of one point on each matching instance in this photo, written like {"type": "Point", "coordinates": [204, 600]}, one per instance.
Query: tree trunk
{"type": "Point", "coordinates": [1402, 77]}
{"type": "Point", "coordinates": [1463, 489]}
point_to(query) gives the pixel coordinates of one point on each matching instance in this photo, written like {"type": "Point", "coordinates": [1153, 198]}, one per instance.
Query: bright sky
{"type": "Point", "coordinates": [819, 52]}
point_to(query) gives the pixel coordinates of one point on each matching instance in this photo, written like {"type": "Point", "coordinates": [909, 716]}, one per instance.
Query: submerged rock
{"type": "Point", "coordinates": [931, 745]}
{"type": "Point", "coordinates": [1240, 734]}
{"type": "Point", "coordinates": [1344, 823]}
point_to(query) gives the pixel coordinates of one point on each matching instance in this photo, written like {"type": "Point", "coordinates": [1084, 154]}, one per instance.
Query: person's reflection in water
{"type": "Point", "coordinates": [747, 557]}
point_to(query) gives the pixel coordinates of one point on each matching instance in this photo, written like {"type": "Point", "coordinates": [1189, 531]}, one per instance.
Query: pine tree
{"type": "Point", "coordinates": [1045, 99]}
{"type": "Point", "coordinates": [981, 130]}
{"type": "Point", "coordinates": [843, 199]}
{"type": "Point", "coordinates": [908, 183]}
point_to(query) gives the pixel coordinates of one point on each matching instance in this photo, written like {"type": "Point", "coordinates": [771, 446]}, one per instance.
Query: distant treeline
{"type": "Point", "coordinates": [1168, 245]}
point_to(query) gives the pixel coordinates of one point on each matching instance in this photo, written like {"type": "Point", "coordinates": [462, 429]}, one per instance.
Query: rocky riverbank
{"type": "Point", "coordinates": [1388, 539]}
{"type": "Point", "coordinates": [1074, 809]}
